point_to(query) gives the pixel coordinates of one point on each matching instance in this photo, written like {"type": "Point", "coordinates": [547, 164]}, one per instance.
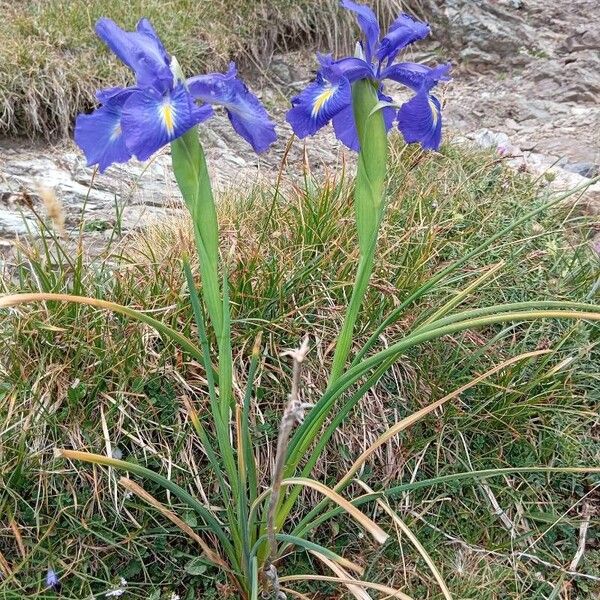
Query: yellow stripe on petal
{"type": "Point", "coordinates": [167, 114]}
{"type": "Point", "coordinates": [322, 99]}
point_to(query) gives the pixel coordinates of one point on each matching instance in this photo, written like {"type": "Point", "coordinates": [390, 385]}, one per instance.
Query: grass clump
{"type": "Point", "coordinates": [51, 63]}
{"type": "Point", "coordinates": [75, 377]}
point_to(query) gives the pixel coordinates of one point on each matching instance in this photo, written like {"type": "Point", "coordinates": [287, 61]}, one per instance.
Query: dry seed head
{"type": "Point", "coordinates": [54, 209]}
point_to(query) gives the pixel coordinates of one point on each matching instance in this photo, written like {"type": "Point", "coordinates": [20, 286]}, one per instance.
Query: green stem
{"type": "Point", "coordinates": [191, 173]}
{"type": "Point", "coordinates": [368, 202]}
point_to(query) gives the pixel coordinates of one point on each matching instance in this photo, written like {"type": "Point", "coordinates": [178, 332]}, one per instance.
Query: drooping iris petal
{"type": "Point", "coordinates": [316, 105]}
{"type": "Point", "coordinates": [141, 50]}
{"type": "Point", "coordinates": [389, 112]}
{"type": "Point", "coordinates": [245, 111]}
{"type": "Point", "coordinates": [420, 120]}
{"type": "Point", "coordinates": [403, 31]}
{"type": "Point", "coordinates": [100, 134]}
{"type": "Point", "coordinates": [345, 126]}
{"type": "Point", "coordinates": [151, 120]}
{"type": "Point", "coordinates": [416, 76]}
{"type": "Point", "coordinates": [408, 74]}
{"type": "Point", "coordinates": [368, 23]}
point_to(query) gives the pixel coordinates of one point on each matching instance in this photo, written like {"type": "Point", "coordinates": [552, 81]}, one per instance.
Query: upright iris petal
{"type": "Point", "coordinates": [141, 50]}
{"type": "Point", "coordinates": [368, 23]}
{"type": "Point", "coordinates": [352, 68]}
{"type": "Point", "coordinates": [404, 31]}
{"type": "Point", "coordinates": [100, 134]}
{"type": "Point", "coordinates": [245, 111]}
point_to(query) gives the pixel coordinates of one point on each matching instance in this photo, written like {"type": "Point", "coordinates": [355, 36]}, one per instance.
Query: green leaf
{"type": "Point", "coordinates": [464, 259]}
{"type": "Point", "coordinates": [196, 567]}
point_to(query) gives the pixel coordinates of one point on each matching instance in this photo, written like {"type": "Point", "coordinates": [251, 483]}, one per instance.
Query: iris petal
{"type": "Point", "coordinates": [411, 75]}
{"type": "Point", "coordinates": [100, 134]}
{"type": "Point", "coordinates": [345, 126]}
{"type": "Point", "coordinates": [368, 23]}
{"type": "Point", "coordinates": [317, 104]}
{"type": "Point", "coordinates": [403, 31]}
{"type": "Point", "coordinates": [152, 120]}
{"type": "Point", "coordinates": [351, 68]}
{"type": "Point", "coordinates": [141, 50]}
{"type": "Point", "coordinates": [420, 120]}
{"type": "Point", "coordinates": [245, 111]}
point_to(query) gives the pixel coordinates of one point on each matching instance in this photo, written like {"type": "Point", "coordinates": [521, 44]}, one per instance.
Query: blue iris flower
{"type": "Point", "coordinates": [52, 580]}
{"type": "Point", "coordinates": [329, 97]}
{"type": "Point", "coordinates": [162, 105]}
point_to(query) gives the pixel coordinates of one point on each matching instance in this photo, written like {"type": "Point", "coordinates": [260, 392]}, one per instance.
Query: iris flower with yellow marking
{"type": "Point", "coordinates": [329, 97]}
{"type": "Point", "coordinates": [162, 106]}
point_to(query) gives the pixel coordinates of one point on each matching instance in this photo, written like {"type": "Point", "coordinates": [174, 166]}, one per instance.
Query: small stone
{"type": "Point", "coordinates": [486, 138]}
{"type": "Point", "coordinates": [589, 170]}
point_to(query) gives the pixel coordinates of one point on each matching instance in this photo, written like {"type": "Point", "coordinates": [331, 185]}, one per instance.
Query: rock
{"type": "Point", "coordinates": [589, 170]}
{"type": "Point", "coordinates": [482, 33]}
{"type": "Point", "coordinates": [12, 223]}
{"type": "Point", "coordinates": [485, 138]}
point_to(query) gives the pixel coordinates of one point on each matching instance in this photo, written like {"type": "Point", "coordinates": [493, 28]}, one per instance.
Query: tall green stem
{"type": "Point", "coordinates": [368, 202]}
{"type": "Point", "coordinates": [191, 173]}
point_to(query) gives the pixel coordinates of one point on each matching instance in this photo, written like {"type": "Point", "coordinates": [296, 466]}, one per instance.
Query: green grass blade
{"type": "Point", "coordinates": [293, 540]}
{"type": "Point", "coordinates": [398, 490]}
{"type": "Point", "coordinates": [430, 284]}
{"type": "Point", "coordinates": [247, 444]}
{"type": "Point", "coordinates": [182, 341]}
{"type": "Point", "coordinates": [205, 514]}
{"type": "Point", "coordinates": [307, 432]}
{"type": "Point", "coordinates": [202, 336]}
{"type": "Point", "coordinates": [225, 358]}
{"type": "Point", "coordinates": [502, 308]}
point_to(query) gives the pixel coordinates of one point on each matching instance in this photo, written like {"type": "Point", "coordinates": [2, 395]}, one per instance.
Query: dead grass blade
{"type": "Point", "coordinates": [295, 593]}
{"type": "Point", "coordinates": [391, 592]}
{"type": "Point", "coordinates": [18, 538]}
{"type": "Point", "coordinates": [368, 524]}
{"type": "Point", "coordinates": [149, 499]}
{"type": "Point", "coordinates": [18, 299]}
{"type": "Point", "coordinates": [358, 592]}
{"type": "Point", "coordinates": [413, 539]}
